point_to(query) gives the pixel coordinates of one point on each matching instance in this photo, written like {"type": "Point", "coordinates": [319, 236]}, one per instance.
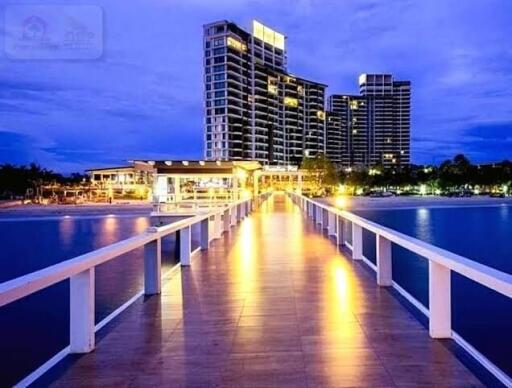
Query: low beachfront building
{"type": "Point", "coordinates": [133, 181]}
{"type": "Point", "coordinates": [184, 186]}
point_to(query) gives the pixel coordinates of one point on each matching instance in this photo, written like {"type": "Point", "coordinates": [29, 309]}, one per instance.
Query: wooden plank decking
{"type": "Point", "coordinates": [273, 303]}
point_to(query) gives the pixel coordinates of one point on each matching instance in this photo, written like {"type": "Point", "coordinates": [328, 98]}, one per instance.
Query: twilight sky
{"type": "Point", "coordinates": [142, 98]}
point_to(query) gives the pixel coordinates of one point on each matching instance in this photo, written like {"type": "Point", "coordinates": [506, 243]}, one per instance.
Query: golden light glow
{"type": "Point", "coordinates": [237, 45]}
{"type": "Point", "coordinates": [320, 114]}
{"type": "Point", "coordinates": [267, 35]}
{"type": "Point", "coordinates": [340, 202]}
{"type": "Point", "coordinates": [272, 85]}
{"type": "Point", "coordinates": [290, 101]}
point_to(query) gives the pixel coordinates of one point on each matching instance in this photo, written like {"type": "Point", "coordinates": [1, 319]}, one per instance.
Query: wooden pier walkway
{"type": "Point", "coordinates": [271, 304]}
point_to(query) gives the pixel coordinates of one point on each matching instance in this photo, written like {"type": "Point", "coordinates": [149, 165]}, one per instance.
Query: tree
{"type": "Point", "coordinates": [16, 180]}
{"type": "Point", "coordinates": [321, 172]}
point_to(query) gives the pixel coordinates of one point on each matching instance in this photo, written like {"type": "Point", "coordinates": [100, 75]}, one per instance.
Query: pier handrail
{"type": "Point", "coordinates": [487, 276]}
{"type": "Point", "coordinates": [80, 270]}
{"type": "Point", "coordinates": [441, 263]}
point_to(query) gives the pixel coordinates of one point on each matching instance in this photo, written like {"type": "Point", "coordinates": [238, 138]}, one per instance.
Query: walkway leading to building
{"type": "Point", "coordinates": [271, 304]}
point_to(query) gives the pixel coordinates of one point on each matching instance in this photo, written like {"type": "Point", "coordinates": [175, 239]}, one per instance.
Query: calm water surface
{"type": "Point", "coordinates": [484, 234]}
{"type": "Point", "coordinates": [35, 328]}
{"type": "Point", "coordinates": [481, 316]}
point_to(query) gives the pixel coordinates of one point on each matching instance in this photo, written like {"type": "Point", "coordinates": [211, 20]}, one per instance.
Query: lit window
{"type": "Point", "coordinates": [290, 101]}
{"type": "Point", "coordinates": [272, 85]}
{"type": "Point", "coordinates": [236, 44]}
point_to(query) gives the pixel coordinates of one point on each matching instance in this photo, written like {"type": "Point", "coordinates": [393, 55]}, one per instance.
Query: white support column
{"type": "Point", "coordinates": [319, 212]}
{"type": "Point", "coordinates": [185, 246]}
{"type": "Point", "coordinates": [226, 220]}
{"type": "Point", "coordinates": [357, 242]}
{"type": "Point", "coordinates": [205, 234]}
{"type": "Point", "coordinates": [234, 216]}
{"type": "Point", "coordinates": [341, 231]}
{"type": "Point", "coordinates": [153, 267]}
{"type": "Point", "coordinates": [384, 262]}
{"type": "Point", "coordinates": [217, 222]}
{"type": "Point", "coordinates": [332, 224]}
{"type": "Point", "coordinates": [439, 290]}
{"type": "Point", "coordinates": [81, 317]}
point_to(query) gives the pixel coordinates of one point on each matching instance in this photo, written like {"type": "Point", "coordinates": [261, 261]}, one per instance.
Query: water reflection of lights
{"type": "Point", "coordinates": [141, 224]}
{"type": "Point", "coordinates": [423, 224]}
{"type": "Point", "coordinates": [111, 229]}
{"type": "Point", "coordinates": [66, 231]}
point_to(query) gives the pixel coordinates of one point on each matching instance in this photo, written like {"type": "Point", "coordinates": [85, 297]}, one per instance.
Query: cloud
{"type": "Point", "coordinates": [144, 96]}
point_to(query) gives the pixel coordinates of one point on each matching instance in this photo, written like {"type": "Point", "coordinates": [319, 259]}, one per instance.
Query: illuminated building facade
{"type": "Point", "coordinates": [335, 146]}
{"type": "Point", "coordinates": [376, 124]}
{"type": "Point", "coordinates": [255, 110]}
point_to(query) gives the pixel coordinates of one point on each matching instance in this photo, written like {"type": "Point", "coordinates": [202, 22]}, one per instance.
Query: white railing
{"type": "Point", "coordinates": [441, 263]}
{"type": "Point", "coordinates": [80, 270]}
{"type": "Point", "coordinates": [195, 201]}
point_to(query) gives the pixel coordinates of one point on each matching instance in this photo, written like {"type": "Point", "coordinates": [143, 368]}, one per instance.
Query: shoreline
{"type": "Point", "coordinates": [416, 202]}
{"type": "Point", "coordinates": [352, 204]}
{"type": "Point", "coordinates": [143, 208]}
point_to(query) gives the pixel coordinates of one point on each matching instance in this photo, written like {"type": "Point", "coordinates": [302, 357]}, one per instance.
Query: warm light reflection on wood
{"type": "Point", "coordinates": [271, 303]}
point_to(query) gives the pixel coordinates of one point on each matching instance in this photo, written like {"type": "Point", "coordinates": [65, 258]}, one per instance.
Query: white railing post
{"type": "Point", "coordinates": [234, 215]}
{"type": "Point", "coordinates": [439, 291]}
{"type": "Point", "coordinates": [227, 219]}
{"type": "Point", "coordinates": [185, 245]}
{"type": "Point", "coordinates": [318, 215]}
{"type": "Point", "coordinates": [332, 224]}
{"type": "Point", "coordinates": [153, 267]}
{"type": "Point", "coordinates": [81, 317]}
{"type": "Point", "coordinates": [384, 262]}
{"type": "Point", "coordinates": [357, 242]}
{"type": "Point", "coordinates": [217, 222]}
{"type": "Point", "coordinates": [341, 231]}
{"type": "Point", "coordinates": [205, 234]}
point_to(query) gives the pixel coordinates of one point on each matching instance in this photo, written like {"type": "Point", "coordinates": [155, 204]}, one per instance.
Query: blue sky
{"type": "Point", "coordinates": [143, 97]}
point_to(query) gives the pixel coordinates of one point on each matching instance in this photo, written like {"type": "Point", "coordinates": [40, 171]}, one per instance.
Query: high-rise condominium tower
{"type": "Point", "coordinates": [375, 125]}
{"type": "Point", "coordinates": [254, 108]}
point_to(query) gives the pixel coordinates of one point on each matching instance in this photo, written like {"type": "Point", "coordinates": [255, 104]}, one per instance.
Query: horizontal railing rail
{"type": "Point", "coordinates": [441, 264]}
{"type": "Point", "coordinates": [80, 270]}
